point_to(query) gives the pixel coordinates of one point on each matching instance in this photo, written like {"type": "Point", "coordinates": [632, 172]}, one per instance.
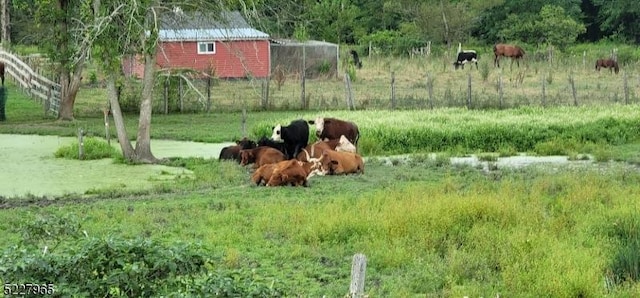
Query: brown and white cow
{"type": "Point", "coordinates": [332, 128]}
{"type": "Point", "coordinates": [315, 150]}
{"type": "Point", "coordinates": [337, 163]}
{"type": "Point", "coordinates": [288, 172]}
{"type": "Point", "coordinates": [260, 156]}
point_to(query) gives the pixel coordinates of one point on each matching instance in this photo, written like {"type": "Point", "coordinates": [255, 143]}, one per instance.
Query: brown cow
{"type": "Point", "coordinates": [233, 152]}
{"type": "Point", "coordinates": [506, 50]}
{"type": "Point", "coordinates": [260, 156]}
{"type": "Point", "coordinates": [290, 173]}
{"type": "Point", "coordinates": [607, 63]}
{"type": "Point", "coordinates": [336, 163]}
{"type": "Point", "coordinates": [315, 150]}
{"type": "Point", "coordinates": [332, 128]}
{"type": "Point", "coordinates": [263, 174]}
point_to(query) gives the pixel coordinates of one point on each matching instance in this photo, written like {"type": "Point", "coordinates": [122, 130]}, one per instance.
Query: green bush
{"type": "Point", "coordinates": [94, 148]}
{"type": "Point", "coordinates": [78, 265]}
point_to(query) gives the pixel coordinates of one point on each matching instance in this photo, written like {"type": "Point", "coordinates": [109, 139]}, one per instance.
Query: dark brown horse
{"type": "Point", "coordinates": [507, 50]}
{"type": "Point", "coordinates": [2, 72]}
{"type": "Point", "coordinates": [611, 64]}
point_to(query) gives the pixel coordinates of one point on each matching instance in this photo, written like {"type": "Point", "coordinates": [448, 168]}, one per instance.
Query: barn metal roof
{"type": "Point", "coordinates": [211, 34]}
{"type": "Point", "coordinates": [199, 26]}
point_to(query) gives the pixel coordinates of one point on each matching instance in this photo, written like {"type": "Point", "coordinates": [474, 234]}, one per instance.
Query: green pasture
{"type": "Point", "coordinates": [563, 130]}
{"type": "Point", "coordinates": [427, 227]}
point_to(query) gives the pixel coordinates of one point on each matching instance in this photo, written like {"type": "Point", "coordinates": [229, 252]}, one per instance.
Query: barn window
{"type": "Point", "coordinates": [207, 47]}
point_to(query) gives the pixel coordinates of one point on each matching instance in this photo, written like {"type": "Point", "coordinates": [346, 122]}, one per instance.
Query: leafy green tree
{"type": "Point", "coordinates": [551, 26]}
{"type": "Point", "coordinates": [63, 23]}
{"type": "Point", "coordinates": [619, 19]}
{"type": "Point", "coordinates": [556, 27]}
{"type": "Point", "coordinates": [497, 16]}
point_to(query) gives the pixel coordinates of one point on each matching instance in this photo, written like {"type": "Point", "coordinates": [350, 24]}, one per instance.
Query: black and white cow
{"type": "Point", "coordinates": [295, 136]}
{"type": "Point", "coordinates": [466, 56]}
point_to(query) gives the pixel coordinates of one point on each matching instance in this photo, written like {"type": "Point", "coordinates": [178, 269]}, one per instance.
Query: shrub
{"type": "Point", "coordinates": [78, 265]}
{"type": "Point", "coordinates": [94, 148]}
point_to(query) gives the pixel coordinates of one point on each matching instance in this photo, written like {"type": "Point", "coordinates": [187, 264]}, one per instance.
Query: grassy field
{"type": "Point", "coordinates": [414, 78]}
{"type": "Point", "coordinates": [428, 228]}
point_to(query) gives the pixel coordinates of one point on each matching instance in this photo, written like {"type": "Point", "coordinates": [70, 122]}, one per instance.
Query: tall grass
{"type": "Point", "coordinates": [459, 233]}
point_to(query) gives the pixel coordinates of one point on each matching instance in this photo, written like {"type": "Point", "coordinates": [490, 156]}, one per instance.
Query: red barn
{"type": "Point", "coordinates": [224, 43]}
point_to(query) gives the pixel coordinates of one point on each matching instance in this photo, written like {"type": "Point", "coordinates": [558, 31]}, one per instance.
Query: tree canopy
{"type": "Point", "coordinates": [407, 23]}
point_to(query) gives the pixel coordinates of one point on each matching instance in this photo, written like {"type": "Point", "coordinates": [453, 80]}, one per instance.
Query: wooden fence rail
{"type": "Point", "coordinates": [40, 88]}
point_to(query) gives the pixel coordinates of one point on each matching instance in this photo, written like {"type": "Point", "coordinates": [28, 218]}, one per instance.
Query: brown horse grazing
{"type": "Point", "coordinates": [507, 50]}
{"type": "Point", "coordinates": [607, 63]}
{"type": "Point", "coordinates": [2, 72]}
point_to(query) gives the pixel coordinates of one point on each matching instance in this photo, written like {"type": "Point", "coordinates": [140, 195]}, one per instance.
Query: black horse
{"type": "Point", "coordinates": [356, 59]}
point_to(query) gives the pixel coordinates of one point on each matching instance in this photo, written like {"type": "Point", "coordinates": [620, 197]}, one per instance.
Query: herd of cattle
{"type": "Point", "coordinates": [516, 53]}
{"type": "Point", "coordinates": [287, 158]}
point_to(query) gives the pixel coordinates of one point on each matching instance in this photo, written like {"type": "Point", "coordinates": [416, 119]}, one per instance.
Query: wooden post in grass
{"type": "Point", "coordinates": [180, 95]}
{"type": "Point", "coordinates": [107, 135]}
{"type": "Point", "coordinates": [208, 93]}
{"type": "Point", "coordinates": [430, 89]}
{"type": "Point", "coordinates": [349, 92]}
{"type": "Point", "coordinates": [358, 268]}
{"type": "Point", "coordinates": [500, 92]}
{"type": "Point", "coordinates": [166, 96]}
{"type": "Point", "coordinates": [584, 59]}
{"type": "Point", "coordinates": [265, 94]}
{"type": "Point", "coordinates": [244, 122]}
{"type": "Point", "coordinates": [393, 90]}
{"type": "Point", "coordinates": [573, 90]}
{"type": "Point", "coordinates": [626, 88]}
{"type": "Point", "coordinates": [468, 90]}
{"type": "Point", "coordinates": [80, 144]}
{"type": "Point", "coordinates": [303, 77]}
{"type": "Point", "coordinates": [544, 91]}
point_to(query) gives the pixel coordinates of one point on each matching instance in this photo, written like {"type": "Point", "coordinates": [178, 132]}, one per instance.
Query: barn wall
{"type": "Point", "coordinates": [233, 59]}
{"type": "Point", "coordinates": [321, 60]}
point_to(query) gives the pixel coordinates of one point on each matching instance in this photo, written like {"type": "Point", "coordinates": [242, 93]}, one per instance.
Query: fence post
{"type": "Point", "coordinates": [573, 90]}
{"type": "Point", "coordinates": [584, 59]}
{"type": "Point", "coordinates": [349, 93]}
{"type": "Point", "coordinates": [265, 93]}
{"type": "Point", "coordinates": [544, 91]}
{"type": "Point", "coordinates": [469, 91]}
{"type": "Point", "coordinates": [358, 269]}
{"type": "Point", "coordinates": [80, 143]}
{"type": "Point", "coordinates": [208, 94]}
{"type": "Point", "coordinates": [430, 89]}
{"type": "Point", "coordinates": [244, 122]}
{"type": "Point", "coordinates": [393, 90]}
{"type": "Point", "coordinates": [500, 92]}
{"type": "Point", "coordinates": [303, 75]}
{"type": "Point", "coordinates": [166, 96]}
{"type": "Point", "coordinates": [180, 95]}
{"type": "Point", "coordinates": [107, 135]}
{"type": "Point", "coordinates": [626, 88]}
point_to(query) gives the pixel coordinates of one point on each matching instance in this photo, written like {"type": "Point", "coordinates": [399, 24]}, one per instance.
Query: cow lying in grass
{"type": "Point", "coordinates": [315, 150]}
{"type": "Point", "coordinates": [260, 156]}
{"type": "Point", "coordinates": [290, 172]}
{"type": "Point", "coordinates": [233, 152]}
{"type": "Point", "coordinates": [337, 163]}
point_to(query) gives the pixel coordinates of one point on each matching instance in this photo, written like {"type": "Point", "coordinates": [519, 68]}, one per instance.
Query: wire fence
{"type": "Point", "coordinates": [410, 84]}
